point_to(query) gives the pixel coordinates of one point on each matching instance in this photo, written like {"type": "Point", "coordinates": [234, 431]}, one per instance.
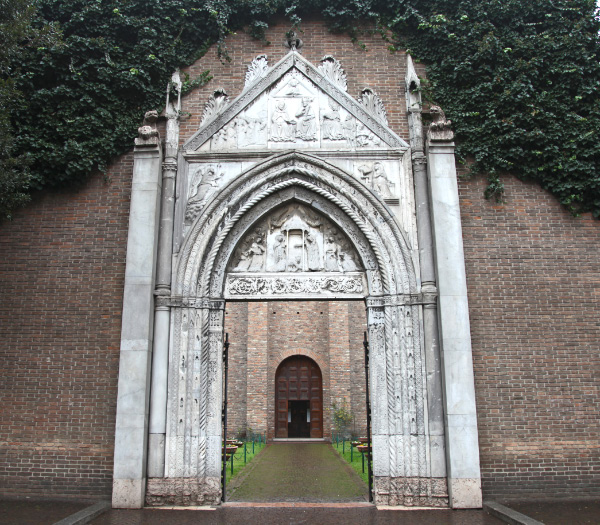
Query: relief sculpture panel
{"type": "Point", "coordinates": [288, 249]}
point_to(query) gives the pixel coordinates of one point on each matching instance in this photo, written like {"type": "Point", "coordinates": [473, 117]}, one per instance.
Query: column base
{"type": "Point", "coordinates": [411, 492]}
{"type": "Point", "coordinates": [465, 493]}
{"type": "Point", "coordinates": [184, 492]}
{"type": "Point", "coordinates": [128, 493]}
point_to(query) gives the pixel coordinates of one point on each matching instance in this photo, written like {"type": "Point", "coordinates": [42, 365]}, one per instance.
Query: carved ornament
{"type": "Point", "coordinates": [441, 127]}
{"type": "Point", "coordinates": [332, 70]}
{"type": "Point", "coordinates": [257, 69]}
{"type": "Point", "coordinates": [147, 132]}
{"type": "Point", "coordinates": [373, 104]}
{"type": "Point", "coordinates": [217, 102]}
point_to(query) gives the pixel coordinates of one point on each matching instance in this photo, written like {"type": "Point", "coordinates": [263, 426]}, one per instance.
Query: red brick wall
{"type": "Point", "coordinates": [329, 332]}
{"type": "Point", "coordinates": [534, 288]}
{"type": "Point", "coordinates": [61, 282]}
{"type": "Point", "coordinates": [533, 282]}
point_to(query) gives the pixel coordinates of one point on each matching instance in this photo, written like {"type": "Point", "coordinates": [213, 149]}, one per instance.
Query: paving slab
{"type": "Point", "coordinates": [302, 515]}
{"type": "Point", "coordinates": [559, 512]}
{"type": "Point", "coordinates": [34, 512]}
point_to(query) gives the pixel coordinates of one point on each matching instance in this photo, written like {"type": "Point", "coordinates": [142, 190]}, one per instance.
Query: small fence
{"type": "Point", "coordinates": [238, 452]}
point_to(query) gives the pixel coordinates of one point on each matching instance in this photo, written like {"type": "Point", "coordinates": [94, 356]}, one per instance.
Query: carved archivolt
{"type": "Point", "coordinates": [269, 231]}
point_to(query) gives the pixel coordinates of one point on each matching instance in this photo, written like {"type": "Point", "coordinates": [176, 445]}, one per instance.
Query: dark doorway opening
{"type": "Point", "coordinates": [299, 399]}
{"type": "Point", "coordinates": [298, 419]}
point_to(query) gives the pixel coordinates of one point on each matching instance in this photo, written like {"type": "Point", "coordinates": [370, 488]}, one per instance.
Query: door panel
{"type": "Point", "coordinates": [299, 389]}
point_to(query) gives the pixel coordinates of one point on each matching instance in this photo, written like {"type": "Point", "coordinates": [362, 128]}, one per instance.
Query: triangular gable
{"type": "Point", "coordinates": [291, 84]}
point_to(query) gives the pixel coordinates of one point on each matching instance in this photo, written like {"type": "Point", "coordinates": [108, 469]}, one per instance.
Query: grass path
{"type": "Point", "coordinates": [308, 472]}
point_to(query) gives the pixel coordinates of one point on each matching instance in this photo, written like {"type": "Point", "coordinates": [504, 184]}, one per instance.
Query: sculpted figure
{"type": "Point", "coordinates": [243, 264]}
{"type": "Point", "coordinates": [349, 129]}
{"type": "Point", "coordinates": [279, 253]}
{"type": "Point", "coordinates": [347, 262]}
{"type": "Point", "coordinates": [307, 123]}
{"type": "Point", "coordinates": [331, 255]}
{"type": "Point", "coordinates": [381, 183]}
{"type": "Point", "coordinates": [283, 129]}
{"type": "Point", "coordinates": [312, 252]}
{"type": "Point", "coordinates": [332, 124]}
{"type": "Point", "coordinates": [256, 254]}
{"type": "Point", "coordinates": [295, 265]}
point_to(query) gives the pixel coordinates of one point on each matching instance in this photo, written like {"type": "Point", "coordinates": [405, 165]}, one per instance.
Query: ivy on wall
{"type": "Point", "coordinates": [518, 78]}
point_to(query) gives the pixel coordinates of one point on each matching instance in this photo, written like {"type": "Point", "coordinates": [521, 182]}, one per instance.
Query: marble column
{"type": "Point", "coordinates": [129, 478]}
{"type": "Point", "coordinates": [162, 314]}
{"type": "Point", "coordinates": [460, 415]}
{"type": "Point", "coordinates": [435, 404]}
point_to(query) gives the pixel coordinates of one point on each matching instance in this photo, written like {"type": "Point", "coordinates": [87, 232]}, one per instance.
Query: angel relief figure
{"type": "Point", "coordinates": [204, 182]}
{"type": "Point", "coordinates": [381, 183]}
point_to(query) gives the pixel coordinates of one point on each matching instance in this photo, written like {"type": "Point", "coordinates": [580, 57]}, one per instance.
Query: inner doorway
{"type": "Point", "coordinates": [298, 399]}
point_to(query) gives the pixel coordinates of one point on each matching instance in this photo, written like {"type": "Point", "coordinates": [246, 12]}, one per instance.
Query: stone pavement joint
{"type": "Point", "coordinates": [298, 504]}
{"type": "Point", "coordinates": [86, 515]}
{"type": "Point", "coordinates": [508, 515]}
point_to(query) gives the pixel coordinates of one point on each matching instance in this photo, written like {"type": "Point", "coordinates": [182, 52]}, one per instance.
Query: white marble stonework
{"type": "Point", "coordinates": [293, 189]}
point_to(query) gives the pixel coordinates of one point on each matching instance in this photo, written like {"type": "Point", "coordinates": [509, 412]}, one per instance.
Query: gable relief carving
{"type": "Point", "coordinates": [295, 251]}
{"type": "Point", "coordinates": [294, 113]}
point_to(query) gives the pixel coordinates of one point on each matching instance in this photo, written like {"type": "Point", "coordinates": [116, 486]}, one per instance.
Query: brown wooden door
{"type": "Point", "coordinates": [298, 378]}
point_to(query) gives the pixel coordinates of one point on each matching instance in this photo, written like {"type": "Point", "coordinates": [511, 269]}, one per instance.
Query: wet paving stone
{"type": "Point", "coordinates": [32, 512]}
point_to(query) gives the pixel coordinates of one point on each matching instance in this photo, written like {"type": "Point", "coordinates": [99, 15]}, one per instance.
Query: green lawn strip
{"type": "Point", "coordinates": [238, 458]}
{"type": "Point", "coordinates": [343, 449]}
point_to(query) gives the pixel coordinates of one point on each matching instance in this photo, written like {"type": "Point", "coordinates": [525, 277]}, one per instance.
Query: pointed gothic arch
{"type": "Point", "coordinates": [400, 434]}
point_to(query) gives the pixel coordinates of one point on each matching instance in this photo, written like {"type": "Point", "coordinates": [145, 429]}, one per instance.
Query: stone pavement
{"type": "Point", "coordinates": [33, 512]}
{"type": "Point", "coordinates": [321, 515]}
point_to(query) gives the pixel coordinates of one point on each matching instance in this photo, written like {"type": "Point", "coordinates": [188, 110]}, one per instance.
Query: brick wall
{"type": "Point", "coordinates": [61, 282]}
{"type": "Point", "coordinates": [329, 332]}
{"type": "Point", "coordinates": [534, 288]}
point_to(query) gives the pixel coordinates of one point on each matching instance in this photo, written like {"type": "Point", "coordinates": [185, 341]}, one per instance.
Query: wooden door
{"type": "Point", "coordinates": [298, 378]}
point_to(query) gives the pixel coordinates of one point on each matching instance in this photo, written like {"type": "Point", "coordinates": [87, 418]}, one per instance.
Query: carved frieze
{"type": "Point", "coordinates": [294, 285]}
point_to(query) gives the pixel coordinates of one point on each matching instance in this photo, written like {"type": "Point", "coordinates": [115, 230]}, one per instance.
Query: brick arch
{"type": "Point", "coordinates": [284, 354]}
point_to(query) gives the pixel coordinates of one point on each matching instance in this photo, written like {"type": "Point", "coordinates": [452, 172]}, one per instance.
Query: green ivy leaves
{"type": "Point", "coordinates": [518, 78]}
